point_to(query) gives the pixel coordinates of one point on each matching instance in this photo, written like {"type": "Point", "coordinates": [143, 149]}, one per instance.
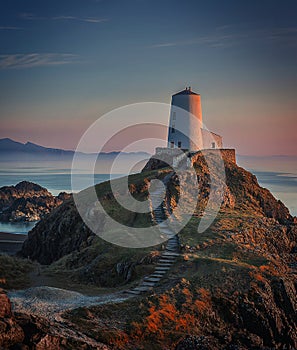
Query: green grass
{"type": "Point", "coordinates": [14, 272]}
{"type": "Point", "coordinates": [189, 235]}
{"type": "Point", "coordinates": [96, 264]}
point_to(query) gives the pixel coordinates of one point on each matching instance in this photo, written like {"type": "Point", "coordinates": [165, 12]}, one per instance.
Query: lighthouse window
{"type": "Point", "coordinates": [172, 144]}
{"type": "Point", "coordinates": [179, 144]}
{"type": "Point", "coordinates": [172, 130]}
{"type": "Point", "coordinates": [174, 115]}
{"type": "Point", "coordinates": [213, 145]}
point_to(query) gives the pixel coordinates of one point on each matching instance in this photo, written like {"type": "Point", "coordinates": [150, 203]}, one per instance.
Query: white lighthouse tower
{"type": "Point", "coordinates": [185, 121]}
{"type": "Point", "coordinates": [187, 137]}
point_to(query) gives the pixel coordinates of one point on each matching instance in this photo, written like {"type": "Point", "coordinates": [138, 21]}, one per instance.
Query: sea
{"type": "Point", "coordinates": [54, 181]}
{"type": "Point", "coordinates": [282, 184]}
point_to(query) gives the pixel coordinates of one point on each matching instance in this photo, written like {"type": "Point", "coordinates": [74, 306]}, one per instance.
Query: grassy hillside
{"type": "Point", "coordinates": [233, 287]}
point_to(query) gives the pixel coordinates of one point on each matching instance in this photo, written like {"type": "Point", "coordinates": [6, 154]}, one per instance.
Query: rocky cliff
{"type": "Point", "coordinates": [27, 201]}
{"type": "Point", "coordinates": [57, 235]}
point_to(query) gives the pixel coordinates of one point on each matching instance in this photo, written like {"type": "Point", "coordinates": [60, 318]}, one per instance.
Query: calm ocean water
{"type": "Point", "coordinates": [282, 185]}
{"type": "Point", "coordinates": [55, 183]}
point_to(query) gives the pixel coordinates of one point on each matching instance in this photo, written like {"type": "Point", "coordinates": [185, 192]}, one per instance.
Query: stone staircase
{"type": "Point", "coordinates": [171, 252]}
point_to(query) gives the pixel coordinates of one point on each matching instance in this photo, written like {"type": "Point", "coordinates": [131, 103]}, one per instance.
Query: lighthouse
{"type": "Point", "coordinates": [188, 138]}
{"type": "Point", "coordinates": [186, 129]}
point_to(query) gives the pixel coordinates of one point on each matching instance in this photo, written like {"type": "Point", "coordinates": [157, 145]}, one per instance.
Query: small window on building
{"type": "Point", "coordinates": [173, 115]}
{"type": "Point", "coordinates": [172, 130]}
{"type": "Point", "coordinates": [179, 144]}
{"type": "Point", "coordinates": [213, 145]}
{"type": "Point", "coordinates": [172, 144]}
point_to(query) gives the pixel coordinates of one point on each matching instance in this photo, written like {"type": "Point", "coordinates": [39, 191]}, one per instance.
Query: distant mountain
{"type": "Point", "coordinates": [9, 147]}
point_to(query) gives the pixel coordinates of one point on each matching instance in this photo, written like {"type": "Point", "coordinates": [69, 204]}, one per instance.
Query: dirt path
{"type": "Point", "coordinates": [50, 303]}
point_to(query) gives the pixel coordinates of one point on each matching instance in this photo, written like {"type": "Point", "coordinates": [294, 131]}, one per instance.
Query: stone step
{"type": "Point", "coordinates": [153, 279]}
{"type": "Point", "coordinates": [163, 270]}
{"type": "Point", "coordinates": [163, 226]}
{"type": "Point", "coordinates": [143, 289]}
{"type": "Point", "coordinates": [147, 283]}
{"type": "Point", "coordinates": [165, 265]}
{"type": "Point", "coordinates": [165, 261]}
{"type": "Point", "coordinates": [132, 291]}
{"type": "Point", "coordinates": [167, 257]}
{"type": "Point", "coordinates": [157, 275]}
{"type": "Point", "coordinates": [154, 275]}
{"type": "Point", "coordinates": [170, 254]}
{"type": "Point", "coordinates": [149, 278]}
{"type": "Point", "coordinates": [166, 230]}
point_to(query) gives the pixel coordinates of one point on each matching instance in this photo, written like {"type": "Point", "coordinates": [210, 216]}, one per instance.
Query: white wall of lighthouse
{"type": "Point", "coordinates": [185, 122]}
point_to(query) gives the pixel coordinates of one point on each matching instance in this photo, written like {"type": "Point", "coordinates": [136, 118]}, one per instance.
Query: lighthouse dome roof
{"type": "Point", "coordinates": [186, 91]}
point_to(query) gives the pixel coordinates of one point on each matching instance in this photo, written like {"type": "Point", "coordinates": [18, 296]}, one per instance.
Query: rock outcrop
{"type": "Point", "coordinates": [23, 331]}
{"type": "Point", "coordinates": [10, 332]}
{"type": "Point", "coordinates": [27, 201]}
{"type": "Point", "coordinates": [60, 233]}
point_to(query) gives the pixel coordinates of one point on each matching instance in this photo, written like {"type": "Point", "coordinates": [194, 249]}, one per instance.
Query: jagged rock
{"type": "Point", "coordinates": [27, 202]}
{"type": "Point", "coordinates": [125, 270]}
{"type": "Point", "coordinates": [60, 233]}
{"type": "Point", "coordinates": [10, 332]}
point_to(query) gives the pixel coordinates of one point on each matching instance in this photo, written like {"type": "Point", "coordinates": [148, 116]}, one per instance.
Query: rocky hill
{"type": "Point", "coordinates": [27, 201]}
{"type": "Point", "coordinates": [232, 287]}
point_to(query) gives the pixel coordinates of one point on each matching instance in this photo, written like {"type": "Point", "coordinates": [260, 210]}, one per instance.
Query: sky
{"type": "Point", "coordinates": [63, 64]}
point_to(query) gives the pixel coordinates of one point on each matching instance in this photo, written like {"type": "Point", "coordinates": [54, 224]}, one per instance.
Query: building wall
{"type": "Point", "coordinates": [211, 140]}
{"type": "Point", "coordinates": [185, 122]}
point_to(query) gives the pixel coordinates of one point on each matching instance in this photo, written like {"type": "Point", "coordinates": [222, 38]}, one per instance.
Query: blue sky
{"type": "Point", "coordinates": [64, 63]}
